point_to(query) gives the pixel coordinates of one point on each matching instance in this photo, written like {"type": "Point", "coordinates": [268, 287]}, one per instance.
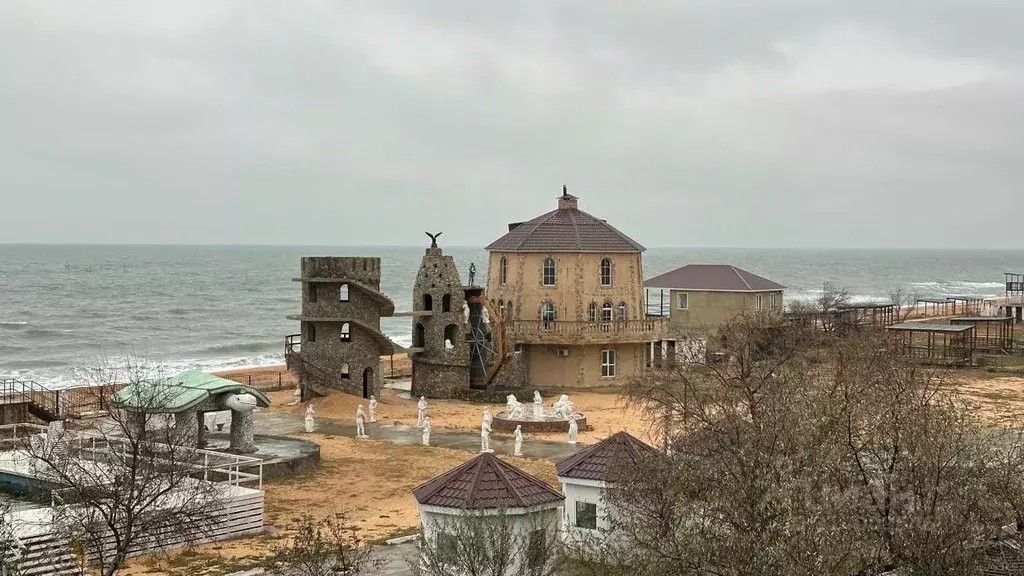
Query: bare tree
{"type": "Point", "coordinates": [326, 547]}
{"type": "Point", "coordinates": [904, 302]}
{"type": "Point", "coordinates": [488, 545]}
{"type": "Point", "coordinates": [130, 482]}
{"type": "Point", "coordinates": [10, 551]}
{"type": "Point", "coordinates": [808, 455]}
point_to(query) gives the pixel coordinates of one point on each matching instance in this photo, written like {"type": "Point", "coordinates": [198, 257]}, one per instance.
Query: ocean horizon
{"type": "Point", "coordinates": [215, 307]}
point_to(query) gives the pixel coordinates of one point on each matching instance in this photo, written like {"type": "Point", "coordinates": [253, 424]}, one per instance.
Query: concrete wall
{"type": "Point", "coordinates": [431, 522]}
{"type": "Point", "coordinates": [716, 308]}
{"type": "Point", "coordinates": [575, 492]}
{"type": "Point", "coordinates": [582, 367]}
{"type": "Point", "coordinates": [328, 352]}
{"type": "Point", "coordinates": [577, 284]}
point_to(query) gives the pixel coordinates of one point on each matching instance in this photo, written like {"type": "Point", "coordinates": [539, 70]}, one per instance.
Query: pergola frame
{"type": "Point", "coordinates": [946, 344]}
{"type": "Point", "coordinates": [992, 334]}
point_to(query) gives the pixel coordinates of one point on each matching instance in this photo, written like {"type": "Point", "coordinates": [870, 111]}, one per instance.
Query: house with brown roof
{"type": "Point", "coordinates": [707, 295]}
{"type": "Point", "coordinates": [569, 287]}
{"type": "Point", "coordinates": [586, 474]}
{"type": "Point", "coordinates": [485, 488]}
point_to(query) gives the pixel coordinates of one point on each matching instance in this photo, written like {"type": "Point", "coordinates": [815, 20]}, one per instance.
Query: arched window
{"type": "Point", "coordinates": [451, 333]}
{"type": "Point", "coordinates": [343, 293]}
{"type": "Point", "coordinates": [503, 271]}
{"type": "Point", "coordinates": [446, 303]}
{"type": "Point", "coordinates": [428, 302]}
{"type": "Point", "coordinates": [592, 312]}
{"type": "Point", "coordinates": [606, 312]}
{"type": "Point", "coordinates": [501, 308]}
{"type": "Point", "coordinates": [606, 272]}
{"type": "Point", "coordinates": [346, 332]}
{"type": "Point", "coordinates": [310, 332]}
{"type": "Point", "coordinates": [549, 272]}
{"type": "Point", "coordinates": [418, 336]}
{"type": "Point", "coordinates": [547, 315]}
{"type": "Point", "coordinates": [345, 371]}
{"type": "Point", "coordinates": [622, 311]}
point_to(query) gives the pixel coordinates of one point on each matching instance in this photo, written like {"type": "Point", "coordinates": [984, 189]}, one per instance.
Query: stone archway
{"type": "Point", "coordinates": [367, 382]}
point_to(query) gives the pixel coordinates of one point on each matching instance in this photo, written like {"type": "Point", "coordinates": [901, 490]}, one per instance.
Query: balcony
{"type": "Point", "coordinates": [568, 332]}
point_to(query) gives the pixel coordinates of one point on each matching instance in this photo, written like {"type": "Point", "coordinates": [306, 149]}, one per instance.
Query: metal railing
{"type": "Point", "coordinates": [646, 327]}
{"type": "Point", "coordinates": [15, 391]}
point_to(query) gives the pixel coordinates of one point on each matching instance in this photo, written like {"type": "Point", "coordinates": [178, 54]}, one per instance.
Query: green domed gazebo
{"type": "Point", "coordinates": [189, 396]}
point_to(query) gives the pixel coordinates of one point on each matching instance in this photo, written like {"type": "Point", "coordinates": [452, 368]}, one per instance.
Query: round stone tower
{"type": "Point", "coordinates": [340, 341]}
{"type": "Point", "coordinates": [440, 350]}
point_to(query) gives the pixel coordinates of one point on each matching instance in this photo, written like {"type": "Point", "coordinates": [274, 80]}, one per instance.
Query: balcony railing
{"type": "Point", "coordinates": [557, 331]}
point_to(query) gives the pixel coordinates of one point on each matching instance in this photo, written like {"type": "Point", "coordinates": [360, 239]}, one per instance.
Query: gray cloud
{"type": "Point", "coordinates": [712, 122]}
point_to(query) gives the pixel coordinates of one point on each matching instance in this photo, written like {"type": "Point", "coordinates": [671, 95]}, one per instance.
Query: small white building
{"type": "Point", "coordinates": [584, 477]}
{"type": "Point", "coordinates": [487, 487]}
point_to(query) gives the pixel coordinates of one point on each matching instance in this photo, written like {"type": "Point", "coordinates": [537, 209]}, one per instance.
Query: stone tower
{"type": "Point", "coordinates": [440, 351]}
{"type": "Point", "coordinates": [340, 338]}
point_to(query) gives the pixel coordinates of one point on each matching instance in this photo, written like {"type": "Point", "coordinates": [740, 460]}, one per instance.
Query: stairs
{"type": "Point", "coordinates": [46, 555]}
{"type": "Point", "coordinates": [498, 334]}
{"type": "Point", "coordinates": [312, 378]}
{"type": "Point", "coordinates": [41, 402]}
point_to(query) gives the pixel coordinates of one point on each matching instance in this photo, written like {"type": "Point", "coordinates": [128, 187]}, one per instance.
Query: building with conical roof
{"type": "Point", "coordinates": [569, 287]}
{"type": "Point", "coordinates": [487, 489]}
{"type": "Point", "coordinates": [587, 473]}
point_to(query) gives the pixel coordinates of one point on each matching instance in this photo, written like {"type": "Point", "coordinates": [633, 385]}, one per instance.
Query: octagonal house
{"type": "Point", "coordinates": [487, 489]}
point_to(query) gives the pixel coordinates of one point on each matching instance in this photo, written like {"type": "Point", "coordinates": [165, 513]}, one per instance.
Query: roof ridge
{"type": "Point", "coordinates": [501, 472]}
{"type": "Point", "coordinates": [540, 220]}
{"type": "Point", "coordinates": [736, 271]}
{"type": "Point", "coordinates": [468, 503]}
{"type": "Point", "coordinates": [575, 227]}
{"type": "Point", "coordinates": [441, 481]}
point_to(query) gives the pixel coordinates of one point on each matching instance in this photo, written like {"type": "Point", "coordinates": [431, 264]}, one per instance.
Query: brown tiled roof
{"type": "Point", "coordinates": [484, 483]}
{"type": "Point", "coordinates": [718, 277]}
{"type": "Point", "coordinates": [567, 229]}
{"type": "Point", "coordinates": [595, 462]}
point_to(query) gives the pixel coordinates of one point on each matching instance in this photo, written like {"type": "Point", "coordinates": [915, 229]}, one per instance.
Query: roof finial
{"type": "Point", "coordinates": [565, 190]}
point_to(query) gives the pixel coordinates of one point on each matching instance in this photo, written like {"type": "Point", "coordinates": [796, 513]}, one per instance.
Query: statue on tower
{"type": "Point", "coordinates": [433, 238]}
{"type": "Point", "coordinates": [472, 273]}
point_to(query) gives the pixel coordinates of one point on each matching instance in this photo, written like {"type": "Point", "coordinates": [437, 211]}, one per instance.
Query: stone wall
{"type": "Point", "coordinates": [441, 368]}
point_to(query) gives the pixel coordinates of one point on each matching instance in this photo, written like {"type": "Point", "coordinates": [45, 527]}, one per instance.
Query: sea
{"type": "Point", "coordinates": [220, 307]}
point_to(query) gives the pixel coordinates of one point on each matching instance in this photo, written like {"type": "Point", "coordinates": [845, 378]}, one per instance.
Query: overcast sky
{"type": "Point", "coordinates": [776, 123]}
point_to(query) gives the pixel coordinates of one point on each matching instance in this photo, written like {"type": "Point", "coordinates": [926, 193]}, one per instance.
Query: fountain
{"type": "Point", "coordinates": [540, 419]}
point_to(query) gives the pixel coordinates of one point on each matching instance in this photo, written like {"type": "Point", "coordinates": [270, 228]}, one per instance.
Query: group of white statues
{"type": "Point", "coordinates": [513, 409]}
{"type": "Point", "coordinates": [310, 419]}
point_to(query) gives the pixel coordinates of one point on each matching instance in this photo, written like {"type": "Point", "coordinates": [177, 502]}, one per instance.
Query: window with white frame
{"type": "Point", "coordinates": [549, 272]}
{"type": "Point", "coordinates": [547, 312]}
{"type": "Point", "coordinates": [622, 312]}
{"type": "Point", "coordinates": [586, 515]}
{"type": "Point", "coordinates": [757, 305]}
{"type": "Point", "coordinates": [682, 301]}
{"type": "Point", "coordinates": [343, 293]}
{"type": "Point", "coordinates": [606, 312]}
{"type": "Point", "coordinates": [503, 271]}
{"type": "Point", "coordinates": [346, 332]}
{"type": "Point", "coordinates": [592, 312]}
{"type": "Point", "coordinates": [608, 363]}
{"type": "Point", "coordinates": [606, 272]}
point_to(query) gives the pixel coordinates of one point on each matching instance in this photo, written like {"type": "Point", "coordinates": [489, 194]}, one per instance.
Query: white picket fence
{"type": "Point", "coordinates": [45, 552]}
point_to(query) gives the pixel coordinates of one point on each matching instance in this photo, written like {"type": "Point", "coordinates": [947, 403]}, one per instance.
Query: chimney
{"type": "Point", "coordinates": [567, 201]}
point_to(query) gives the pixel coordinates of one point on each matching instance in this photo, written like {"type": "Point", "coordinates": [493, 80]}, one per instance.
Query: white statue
{"type": "Point", "coordinates": [487, 415]}
{"type": "Point", "coordinates": [360, 423]}
{"type": "Point", "coordinates": [426, 431]}
{"type": "Point", "coordinates": [422, 407]}
{"type": "Point", "coordinates": [513, 408]}
{"type": "Point", "coordinates": [574, 430]}
{"type": "Point", "coordinates": [297, 395]}
{"type": "Point", "coordinates": [538, 405]}
{"type": "Point", "coordinates": [310, 413]}
{"type": "Point", "coordinates": [485, 437]}
{"type": "Point", "coordinates": [517, 449]}
{"type": "Point", "coordinates": [564, 407]}
{"type": "Point", "coordinates": [373, 408]}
